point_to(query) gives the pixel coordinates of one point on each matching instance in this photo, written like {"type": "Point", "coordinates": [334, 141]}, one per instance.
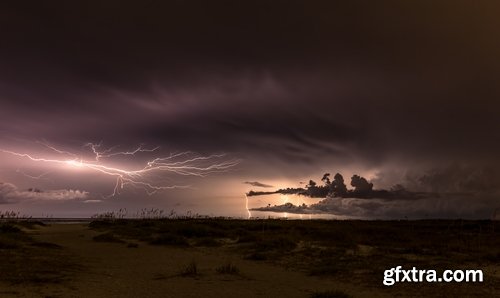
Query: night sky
{"type": "Point", "coordinates": [277, 92]}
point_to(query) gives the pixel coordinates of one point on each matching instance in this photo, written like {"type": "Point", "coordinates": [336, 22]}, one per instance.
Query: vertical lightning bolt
{"type": "Point", "coordinates": [285, 200]}
{"type": "Point", "coordinates": [246, 207]}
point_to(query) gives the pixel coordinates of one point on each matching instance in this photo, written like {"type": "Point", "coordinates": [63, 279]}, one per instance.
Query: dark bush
{"type": "Point", "coordinates": [169, 239]}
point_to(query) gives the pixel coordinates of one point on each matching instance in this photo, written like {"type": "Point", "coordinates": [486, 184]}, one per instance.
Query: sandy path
{"type": "Point", "coordinates": [114, 270]}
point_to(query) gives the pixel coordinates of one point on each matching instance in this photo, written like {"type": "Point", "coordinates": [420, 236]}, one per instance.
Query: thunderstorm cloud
{"type": "Point", "coordinates": [9, 193]}
{"type": "Point", "coordinates": [399, 93]}
{"type": "Point", "coordinates": [258, 184]}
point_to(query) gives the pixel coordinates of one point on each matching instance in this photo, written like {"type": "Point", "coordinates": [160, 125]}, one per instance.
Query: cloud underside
{"type": "Point", "coordinates": [315, 91]}
{"type": "Point", "coordinates": [455, 191]}
{"type": "Point", "coordinates": [9, 193]}
{"type": "Point", "coordinates": [258, 184]}
{"type": "Point", "coordinates": [327, 86]}
{"type": "Point", "coordinates": [442, 206]}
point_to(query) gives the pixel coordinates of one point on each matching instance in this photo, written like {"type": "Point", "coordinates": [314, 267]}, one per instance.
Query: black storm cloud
{"type": "Point", "coordinates": [293, 88]}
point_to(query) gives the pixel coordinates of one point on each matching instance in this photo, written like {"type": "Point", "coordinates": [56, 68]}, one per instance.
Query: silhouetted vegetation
{"type": "Point", "coordinates": [341, 250]}
{"type": "Point", "coordinates": [26, 261]}
{"type": "Point", "coordinates": [107, 237]}
{"type": "Point", "coordinates": [191, 270]}
{"type": "Point", "coordinates": [227, 268]}
{"type": "Point", "coordinates": [322, 247]}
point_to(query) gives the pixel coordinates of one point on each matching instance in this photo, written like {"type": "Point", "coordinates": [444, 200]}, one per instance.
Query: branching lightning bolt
{"type": "Point", "coordinates": [109, 152]}
{"type": "Point", "coordinates": [32, 176]}
{"type": "Point", "coordinates": [184, 163]}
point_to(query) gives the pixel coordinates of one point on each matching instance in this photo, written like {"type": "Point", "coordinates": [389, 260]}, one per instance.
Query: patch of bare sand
{"type": "Point", "coordinates": [115, 270]}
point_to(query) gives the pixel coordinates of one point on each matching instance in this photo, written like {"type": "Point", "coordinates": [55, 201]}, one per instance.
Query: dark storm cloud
{"type": "Point", "coordinates": [425, 206]}
{"type": "Point", "coordinates": [257, 184]}
{"type": "Point", "coordinates": [291, 86]}
{"type": "Point", "coordinates": [443, 206]}
{"type": "Point", "coordinates": [364, 79]}
{"type": "Point", "coordinates": [457, 178]}
{"type": "Point", "coordinates": [449, 192]}
{"type": "Point", "coordinates": [452, 178]}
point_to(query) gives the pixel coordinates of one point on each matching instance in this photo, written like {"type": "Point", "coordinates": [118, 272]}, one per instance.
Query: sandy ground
{"type": "Point", "coordinates": [115, 270]}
